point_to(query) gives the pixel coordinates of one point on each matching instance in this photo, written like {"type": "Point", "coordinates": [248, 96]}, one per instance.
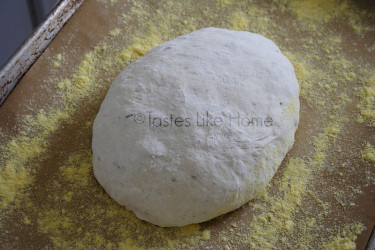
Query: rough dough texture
{"type": "Point", "coordinates": [197, 127]}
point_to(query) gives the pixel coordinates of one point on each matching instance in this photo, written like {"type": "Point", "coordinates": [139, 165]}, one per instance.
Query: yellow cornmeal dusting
{"type": "Point", "coordinates": [70, 192]}
{"type": "Point", "coordinates": [345, 240]}
{"type": "Point", "coordinates": [32, 140]}
{"type": "Point", "coordinates": [206, 234]}
{"type": "Point", "coordinates": [22, 149]}
{"type": "Point", "coordinates": [368, 153]}
{"type": "Point", "coordinates": [115, 32]}
{"type": "Point", "coordinates": [314, 13]}
{"type": "Point", "coordinates": [367, 94]}
{"type": "Point", "coordinates": [240, 21]}
{"type": "Point", "coordinates": [318, 11]}
{"type": "Point", "coordinates": [225, 3]}
{"type": "Point", "coordinates": [58, 60]}
{"type": "Point", "coordinates": [276, 220]}
{"type": "Point", "coordinates": [296, 209]}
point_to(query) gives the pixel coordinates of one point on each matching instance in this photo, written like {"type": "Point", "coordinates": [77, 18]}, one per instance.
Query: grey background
{"type": "Point", "coordinates": [18, 19]}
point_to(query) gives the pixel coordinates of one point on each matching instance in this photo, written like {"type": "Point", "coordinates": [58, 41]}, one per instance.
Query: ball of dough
{"type": "Point", "coordinates": [197, 127]}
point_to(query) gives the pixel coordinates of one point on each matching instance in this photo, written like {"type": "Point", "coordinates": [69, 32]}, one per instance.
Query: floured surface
{"type": "Point", "coordinates": [197, 127]}
{"type": "Point", "coordinates": [322, 194]}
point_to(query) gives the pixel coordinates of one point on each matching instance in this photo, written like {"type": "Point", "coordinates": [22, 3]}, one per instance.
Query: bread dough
{"type": "Point", "coordinates": [197, 127]}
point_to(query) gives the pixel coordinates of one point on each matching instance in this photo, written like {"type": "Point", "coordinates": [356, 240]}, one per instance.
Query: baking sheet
{"type": "Point", "coordinates": [89, 27]}
{"type": "Point", "coordinates": [32, 48]}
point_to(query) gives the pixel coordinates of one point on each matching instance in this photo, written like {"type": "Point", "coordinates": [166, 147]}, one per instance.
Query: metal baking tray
{"type": "Point", "coordinates": [33, 47]}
